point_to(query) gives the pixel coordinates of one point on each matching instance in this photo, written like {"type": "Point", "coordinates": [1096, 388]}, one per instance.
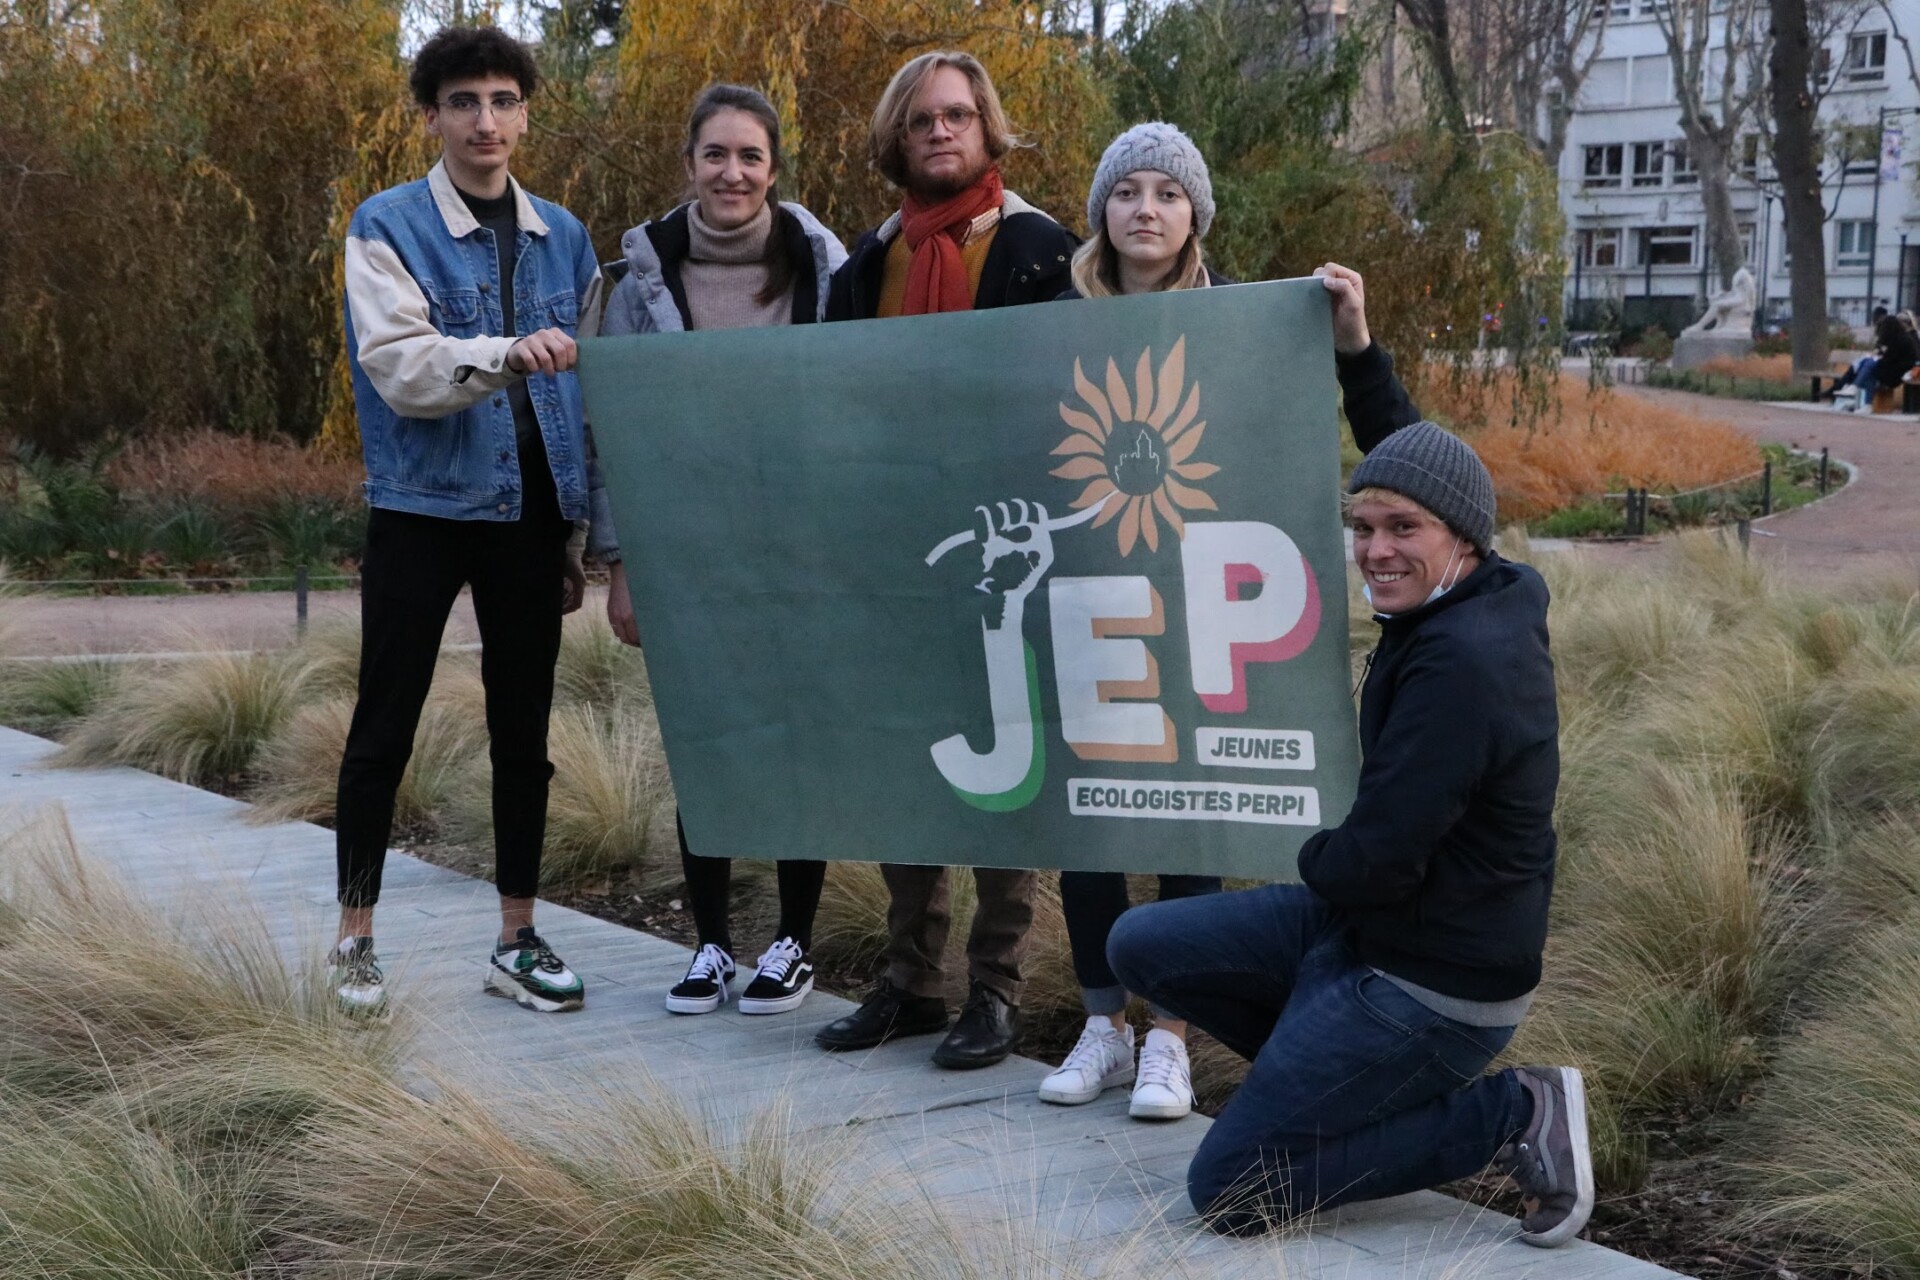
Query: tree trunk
{"type": "Point", "coordinates": [1794, 131]}
{"type": "Point", "coordinates": [1433, 24]}
{"type": "Point", "coordinates": [1716, 180]}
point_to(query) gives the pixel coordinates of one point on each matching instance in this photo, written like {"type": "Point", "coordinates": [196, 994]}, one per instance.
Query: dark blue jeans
{"type": "Point", "coordinates": [1357, 1091]}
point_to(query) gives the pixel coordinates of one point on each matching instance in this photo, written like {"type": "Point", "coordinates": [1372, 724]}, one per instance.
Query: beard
{"type": "Point", "coordinates": [932, 189]}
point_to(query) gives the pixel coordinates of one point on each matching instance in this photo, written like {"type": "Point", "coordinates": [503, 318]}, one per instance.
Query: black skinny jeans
{"type": "Point", "coordinates": [413, 569]}
{"type": "Point", "coordinates": [1092, 902]}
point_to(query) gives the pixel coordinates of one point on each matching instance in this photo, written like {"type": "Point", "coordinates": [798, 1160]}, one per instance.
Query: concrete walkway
{"type": "Point", "coordinates": [1871, 526]}
{"type": "Point", "coordinates": [981, 1141]}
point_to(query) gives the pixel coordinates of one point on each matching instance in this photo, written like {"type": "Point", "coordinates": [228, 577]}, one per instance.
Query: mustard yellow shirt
{"type": "Point", "coordinates": [973, 252]}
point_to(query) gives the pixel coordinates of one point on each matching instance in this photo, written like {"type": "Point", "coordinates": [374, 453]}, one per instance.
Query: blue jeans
{"type": "Point", "coordinates": [1357, 1090]}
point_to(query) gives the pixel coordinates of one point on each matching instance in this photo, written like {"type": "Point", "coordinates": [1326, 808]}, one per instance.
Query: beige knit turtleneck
{"type": "Point", "coordinates": [724, 271]}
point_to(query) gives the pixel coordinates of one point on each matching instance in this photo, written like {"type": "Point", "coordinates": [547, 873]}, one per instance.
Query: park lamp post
{"type": "Point", "coordinates": [1879, 174]}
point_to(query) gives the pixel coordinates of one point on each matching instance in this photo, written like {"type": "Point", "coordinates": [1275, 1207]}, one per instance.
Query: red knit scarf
{"type": "Point", "coordinates": [937, 276]}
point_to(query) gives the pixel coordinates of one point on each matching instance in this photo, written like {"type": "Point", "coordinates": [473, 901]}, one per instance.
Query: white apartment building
{"type": "Point", "coordinates": [1632, 200]}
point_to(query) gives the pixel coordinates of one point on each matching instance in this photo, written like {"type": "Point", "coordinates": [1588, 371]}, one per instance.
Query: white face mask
{"type": "Point", "coordinates": [1446, 583]}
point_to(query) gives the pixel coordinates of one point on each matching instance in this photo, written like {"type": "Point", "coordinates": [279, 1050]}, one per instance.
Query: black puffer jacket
{"type": "Point", "coordinates": [1444, 865]}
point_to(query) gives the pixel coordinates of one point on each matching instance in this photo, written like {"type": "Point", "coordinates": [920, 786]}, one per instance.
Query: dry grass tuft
{"type": "Point", "coordinates": [198, 719]}
{"type": "Point", "coordinates": [1775, 368]}
{"type": "Point", "coordinates": [633, 1186]}
{"type": "Point", "coordinates": [595, 668]}
{"type": "Point", "coordinates": [1590, 443]}
{"type": "Point", "coordinates": [1835, 1141]}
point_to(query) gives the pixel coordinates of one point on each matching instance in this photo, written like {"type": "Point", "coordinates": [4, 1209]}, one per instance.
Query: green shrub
{"type": "Point", "coordinates": [1585, 520]}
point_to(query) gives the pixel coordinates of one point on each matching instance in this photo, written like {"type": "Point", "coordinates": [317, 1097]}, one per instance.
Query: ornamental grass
{"type": "Point", "coordinates": [1589, 442]}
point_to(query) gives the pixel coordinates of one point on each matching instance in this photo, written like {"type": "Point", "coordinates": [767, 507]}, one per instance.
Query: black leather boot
{"type": "Point", "coordinates": [983, 1035]}
{"type": "Point", "coordinates": [886, 1014]}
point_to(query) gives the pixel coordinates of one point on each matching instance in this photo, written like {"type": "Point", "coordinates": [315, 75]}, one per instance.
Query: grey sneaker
{"type": "Point", "coordinates": [354, 974]}
{"type": "Point", "coordinates": [1551, 1159]}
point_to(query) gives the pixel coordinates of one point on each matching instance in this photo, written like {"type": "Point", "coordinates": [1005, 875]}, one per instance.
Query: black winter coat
{"type": "Point", "coordinates": [1027, 262]}
{"type": "Point", "coordinates": [1444, 866]}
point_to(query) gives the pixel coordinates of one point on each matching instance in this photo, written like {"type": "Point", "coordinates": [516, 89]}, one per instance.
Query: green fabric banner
{"type": "Point", "coordinates": [1050, 586]}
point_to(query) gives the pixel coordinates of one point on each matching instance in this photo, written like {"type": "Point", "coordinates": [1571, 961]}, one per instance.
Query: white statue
{"type": "Point", "coordinates": [1729, 313]}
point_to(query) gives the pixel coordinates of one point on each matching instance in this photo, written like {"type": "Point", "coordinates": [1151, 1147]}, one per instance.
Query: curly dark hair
{"type": "Point", "coordinates": [459, 53]}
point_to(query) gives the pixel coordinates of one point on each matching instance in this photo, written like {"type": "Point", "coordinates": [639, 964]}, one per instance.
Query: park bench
{"type": "Point", "coordinates": [1823, 381]}
{"type": "Point", "coordinates": [1909, 394]}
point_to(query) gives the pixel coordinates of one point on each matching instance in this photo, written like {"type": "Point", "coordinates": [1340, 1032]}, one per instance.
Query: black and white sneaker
{"type": "Point", "coordinates": [526, 970]}
{"type": "Point", "coordinates": [704, 989]}
{"type": "Point", "coordinates": [785, 977]}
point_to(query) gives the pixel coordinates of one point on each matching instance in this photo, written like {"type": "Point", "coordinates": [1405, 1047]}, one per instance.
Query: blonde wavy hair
{"type": "Point", "coordinates": [1096, 267]}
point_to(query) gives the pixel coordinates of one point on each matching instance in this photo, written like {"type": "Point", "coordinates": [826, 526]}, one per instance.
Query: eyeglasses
{"type": "Point", "coordinates": [958, 118]}
{"type": "Point", "coordinates": [465, 106]}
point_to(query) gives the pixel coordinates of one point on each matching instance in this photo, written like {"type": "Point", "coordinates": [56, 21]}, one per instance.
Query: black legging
{"type": "Point", "coordinates": [710, 886]}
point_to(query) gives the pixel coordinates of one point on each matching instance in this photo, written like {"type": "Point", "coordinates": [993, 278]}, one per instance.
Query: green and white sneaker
{"type": "Point", "coordinates": [354, 974]}
{"type": "Point", "coordinates": [526, 970]}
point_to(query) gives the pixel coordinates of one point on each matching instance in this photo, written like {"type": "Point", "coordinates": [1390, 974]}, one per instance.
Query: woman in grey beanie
{"type": "Point", "coordinates": [1150, 207]}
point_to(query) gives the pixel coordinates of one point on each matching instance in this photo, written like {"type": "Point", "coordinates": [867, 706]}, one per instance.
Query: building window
{"type": "Point", "coordinates": [1613, 8]}
{"type": "Point", "coordinates": [1746, 243]}
{"type": "Point", "coordinates": [1854, 245]}
{"type": "Point", "coordinates": [1665, 246]}
{"type": "Point", "coordinates": [1685, 174]}
{"type": "Point", "coordinates": [1603, 165]}
{"type": "Point", "coordinates": [1648, 159]}
{"type": "Point", "coordinates": [1600, 247]}
{"type": "Point", "coordinates": [1606, 84]}
{"type": "Point", "coordinates": [1750, 155]}
{"type": "Point", "coordinates": [1866, 57]}
{"type": "Point", "coordinates": [1652, 80]}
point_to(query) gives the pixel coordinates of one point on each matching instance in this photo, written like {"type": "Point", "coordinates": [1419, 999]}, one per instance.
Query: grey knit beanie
{"type": "Point", "coordinates": [1438, 470]}
{"type": "Point", "coordinates": [1158, 146]}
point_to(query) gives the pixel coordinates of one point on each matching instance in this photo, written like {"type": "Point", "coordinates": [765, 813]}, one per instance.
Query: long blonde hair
{"type": "Point", "coordinates": [1096, 267]}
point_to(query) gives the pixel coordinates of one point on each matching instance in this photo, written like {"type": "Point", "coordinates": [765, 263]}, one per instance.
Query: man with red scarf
{"type": "Point", "coordinates": [959, 242]}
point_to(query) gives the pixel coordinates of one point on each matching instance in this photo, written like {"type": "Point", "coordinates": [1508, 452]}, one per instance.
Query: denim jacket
{"type": "Point", "coordinates": [425, 345]}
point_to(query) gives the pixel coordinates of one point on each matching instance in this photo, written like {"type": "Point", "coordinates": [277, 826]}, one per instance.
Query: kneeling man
{"type": "Point", "coordinates": [1371, 997]}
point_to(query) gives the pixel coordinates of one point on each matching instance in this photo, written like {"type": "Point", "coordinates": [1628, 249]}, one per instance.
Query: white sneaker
{"type": "Point", "coordinates": [704, 989]}
{"type": "Point", "coordinates": [1101, 1059]}
{"type": "Point", "coordinates": [1164, 1090]}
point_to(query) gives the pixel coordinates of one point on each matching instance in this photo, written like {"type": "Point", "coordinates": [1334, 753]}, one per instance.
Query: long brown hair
{"type": "Point", "coordinates": [715, 98]}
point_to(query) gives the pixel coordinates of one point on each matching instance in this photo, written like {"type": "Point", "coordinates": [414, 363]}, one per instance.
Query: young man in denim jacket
{"type": "Point", "coordinates": [464, 297]}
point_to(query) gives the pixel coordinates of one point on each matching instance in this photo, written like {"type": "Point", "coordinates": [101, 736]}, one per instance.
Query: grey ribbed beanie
{"type": "Point", "coordinates": [1438, 470]}
{"type": "Point", "coordinates": [1158, 146]}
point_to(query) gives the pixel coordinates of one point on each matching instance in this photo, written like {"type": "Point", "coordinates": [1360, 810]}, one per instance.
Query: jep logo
{"type": "Point", "coordinates": [1250, 597]}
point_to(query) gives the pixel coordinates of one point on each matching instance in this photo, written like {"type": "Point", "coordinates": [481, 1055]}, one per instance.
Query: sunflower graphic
{"type": "Point", "coordinates": [1132, 442]}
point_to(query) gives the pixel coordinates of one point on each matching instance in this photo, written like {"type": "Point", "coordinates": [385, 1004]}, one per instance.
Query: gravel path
{"type": "Point", "coordinates": [1871, 526]}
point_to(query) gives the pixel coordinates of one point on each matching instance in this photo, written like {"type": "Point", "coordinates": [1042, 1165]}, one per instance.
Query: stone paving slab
{"type": "Point", "coordinates": [979, 1142]}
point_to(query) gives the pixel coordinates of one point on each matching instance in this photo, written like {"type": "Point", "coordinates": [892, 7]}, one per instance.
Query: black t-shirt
{"type": "Point", "coordinates": [538, 499]}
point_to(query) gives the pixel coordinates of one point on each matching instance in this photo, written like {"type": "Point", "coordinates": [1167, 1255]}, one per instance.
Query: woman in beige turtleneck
{"type": "Point", "coordinates": [734, 257]}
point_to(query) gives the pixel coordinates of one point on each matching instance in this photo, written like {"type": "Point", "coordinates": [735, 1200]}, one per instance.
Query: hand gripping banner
{"type": "Point", "coordinates": [1051, 586]}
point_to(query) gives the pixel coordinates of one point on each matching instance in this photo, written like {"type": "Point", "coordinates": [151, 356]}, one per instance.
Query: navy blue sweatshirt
{"type": "Point", "coordinates": [1444, 866]}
